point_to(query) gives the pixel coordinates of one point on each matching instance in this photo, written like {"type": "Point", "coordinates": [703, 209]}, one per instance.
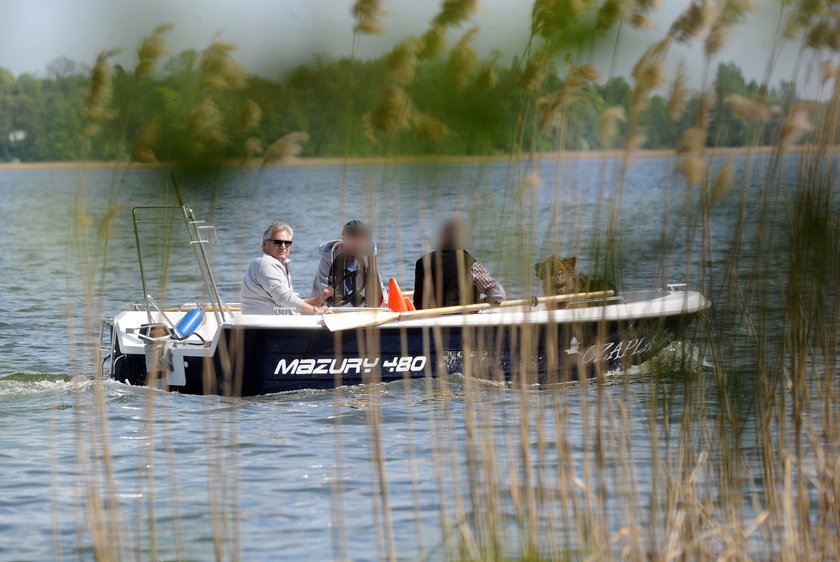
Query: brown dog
{"type": "Point", "coordinates": [560, 277]}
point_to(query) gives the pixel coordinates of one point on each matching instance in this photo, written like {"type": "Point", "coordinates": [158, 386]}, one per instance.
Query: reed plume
{"type": "Point", "coordinates": [830, 71]}
{"type": "Point", "coordinates": [568, 92]}
{"type": "Point", "coordinates": [692, 168]}
{"type": "Point", "coordinates": [640, 20]}
{"type": "Point", "coordinates": [647, 75]}
{"type": "Point", "coordinates": [428, 127]}
{"type": "Point", "coordinates": [536, 70]}
{"type": "Point", "coordinates": [100, 92]}
{"type": "Point", "coordinates": [608, 124]}
{"type": "Point", "coordinates": [367, 13]}
{"type": "Point", "coordinates": [632, 143]}
{"type": "Point", "coordinates": [691, 164]}
{"type": "Point", "coordinates": [705, 104]}
{"type": "Point", "coordinates": [722, 184]}
{"type": "Point", "coordinates": [549, 18]}
{"type": "Point", "coordinates": [251, 148]}
{"type": "Point", "coordinates": [487, 78]}
{"type": "Point", "coordinates": [639, 10]}
{"type": "Point", "coordinates": [693, 140]}
{"type": "Point", "coordinates": [151, 49]}
{"type": "Point", "coordinates": [693, 22]}
{"type": "Point", "coordinates": [463, 60]}
{"type": "Point", "coordinates": [823, 35]}
{"type": "Point", "coordinates": [795, 125]}
{"type": "Point", "coordinates": [143, 145]}
{"type": "Point", "coordinates": [399, 66]}
{"type": "Point", "coordinates": [250, 115]}
{"type": "Point", "coordinates": [218, 69]}
{"type": "Point", "coordinates": [391, 114]}
{"type": "Point", "coordinates": [206, 126]}
{"type": "Point", "coordinates": [677, 95]}
{"type": "Point", "coordinates": [529, 185]}
{"type": "Point", "coordinates": [609, 13]}
{"type": "Point", "coordinates": [748, 109]}
{"type": "Point", "coordinates": [733, 12]}
{"type": "Point", "coordinates": [284, 148]}
{"type": "Point", "coordinates": [432, 42]}
{"type": "Point", "coordinates": [455, 12]}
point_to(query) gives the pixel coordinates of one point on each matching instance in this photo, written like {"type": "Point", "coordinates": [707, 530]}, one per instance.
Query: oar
{"type": "Point", "coordinates": [374, 317]}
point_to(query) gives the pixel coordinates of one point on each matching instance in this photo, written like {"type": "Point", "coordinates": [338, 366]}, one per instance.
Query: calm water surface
{"type": "Point", "coordinates": [290, 476]}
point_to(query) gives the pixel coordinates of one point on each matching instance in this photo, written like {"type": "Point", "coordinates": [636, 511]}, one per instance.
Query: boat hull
{"type": "Point", "coordinates": [277, 360]}
{"type": "Point", "coordinates": [263, 360]}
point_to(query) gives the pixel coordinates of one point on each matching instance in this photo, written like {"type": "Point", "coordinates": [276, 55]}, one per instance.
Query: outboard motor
{"type": "Point", "coordinates": [159, 360]}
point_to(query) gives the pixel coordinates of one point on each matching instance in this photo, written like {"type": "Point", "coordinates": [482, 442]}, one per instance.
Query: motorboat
{"type": "Point", "coordinates": [212, 348]}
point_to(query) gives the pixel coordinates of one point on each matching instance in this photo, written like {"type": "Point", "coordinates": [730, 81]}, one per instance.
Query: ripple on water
{"type": "Point", "coordinates": [272, 465]}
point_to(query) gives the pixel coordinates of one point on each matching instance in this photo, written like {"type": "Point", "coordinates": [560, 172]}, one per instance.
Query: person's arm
{"type": "Point", "coordinates": [312, 306]}
{"type": "Point", "coordinates": [321, 280]}
{"type": "Point", "coordinates": [487, 284]}
{"type": "Point", "coordinates": [275, 280]}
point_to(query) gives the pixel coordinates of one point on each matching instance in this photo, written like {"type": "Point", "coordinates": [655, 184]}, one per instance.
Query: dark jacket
{"type": "Point", "coordinates": [439, 277]}
{"type": "Point", "coordinates": [351, 287]}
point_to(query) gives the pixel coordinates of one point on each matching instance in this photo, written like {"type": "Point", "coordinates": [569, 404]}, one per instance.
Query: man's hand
{"type": "Point", "coordinates": [325, 294]}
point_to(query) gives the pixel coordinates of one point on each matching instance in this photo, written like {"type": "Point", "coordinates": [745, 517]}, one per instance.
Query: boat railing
{"type": "Point", "coordinates": [107, 341]}
{"type": "Point", "coordinates": [200, 234]}
{"type": "Point", "coordinates": [151, 304]}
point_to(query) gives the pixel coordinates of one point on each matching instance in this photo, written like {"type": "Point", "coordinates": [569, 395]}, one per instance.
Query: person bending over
{"type": "Point", "coordinates": [348, 267]}
{"type": "Point", "coordinates": [450, 276]}
{"type": "Point", "coordinates": [267, 283]}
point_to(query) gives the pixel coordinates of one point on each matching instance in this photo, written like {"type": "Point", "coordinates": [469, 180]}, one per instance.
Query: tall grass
{"type": "Point", "coordinates": [742, 421]}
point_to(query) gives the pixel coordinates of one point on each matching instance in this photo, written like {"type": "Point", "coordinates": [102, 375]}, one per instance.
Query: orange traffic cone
{"type": "Point", "coordinates": [409, 306]}
{"type": "Point", "coordinates": [396, 302]}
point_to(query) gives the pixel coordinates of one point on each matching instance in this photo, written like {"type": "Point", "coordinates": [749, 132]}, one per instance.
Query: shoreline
{"type": "Point", "coordinates": [420, 159]}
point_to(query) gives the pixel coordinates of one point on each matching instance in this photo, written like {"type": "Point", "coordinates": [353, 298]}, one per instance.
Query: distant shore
{"type": "Point", "coordinates": [369, 161]}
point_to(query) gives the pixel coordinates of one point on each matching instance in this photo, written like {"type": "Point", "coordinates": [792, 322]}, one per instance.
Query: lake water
{"type": "Point", "coordinates": [292, 476]}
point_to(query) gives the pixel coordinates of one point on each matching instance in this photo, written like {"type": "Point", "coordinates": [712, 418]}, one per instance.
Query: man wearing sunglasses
{"type": "Point", "coordinates": [267, 284]}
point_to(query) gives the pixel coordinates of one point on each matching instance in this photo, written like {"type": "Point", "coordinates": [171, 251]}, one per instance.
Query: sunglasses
{"type": "Point", "coordinates": [287, 243]}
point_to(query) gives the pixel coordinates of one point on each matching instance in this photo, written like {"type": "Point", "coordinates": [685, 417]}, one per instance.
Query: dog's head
{"type": "Point", "coordinates": [558, 275]}
{"type": "Point", "coordinates": [550, 267]}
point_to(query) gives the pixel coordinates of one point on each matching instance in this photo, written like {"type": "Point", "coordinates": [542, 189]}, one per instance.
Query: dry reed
{"type": "Point", "coordinates": [143, 151]}
{"type": "Point", "coordinates": [152, 48]}
{"type": "Point", "coordinates": [283, 148]}
{"type": "Point", "coordinates": [367, 13]}
{"type": "Point", "coordinates": [218, 69]}
{"type": "Point", "coordinates": [463, 60]}
{"type": "Point", "coordinates": [742, 462]}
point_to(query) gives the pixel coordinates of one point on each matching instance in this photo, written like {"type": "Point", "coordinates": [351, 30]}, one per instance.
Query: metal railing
{"type": "Point", "coordinates": [200, 234]}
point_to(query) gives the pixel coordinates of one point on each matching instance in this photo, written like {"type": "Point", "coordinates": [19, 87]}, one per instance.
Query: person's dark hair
{"type": "Point", "coordinates": [355, 226]}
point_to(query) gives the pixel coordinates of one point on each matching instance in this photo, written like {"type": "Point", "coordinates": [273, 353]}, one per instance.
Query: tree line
{"type": "Point", "coordinates": [202, 104]}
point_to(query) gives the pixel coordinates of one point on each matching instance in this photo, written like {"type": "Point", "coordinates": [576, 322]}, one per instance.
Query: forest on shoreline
{"type": "Point", "coordinates": [327, 108]}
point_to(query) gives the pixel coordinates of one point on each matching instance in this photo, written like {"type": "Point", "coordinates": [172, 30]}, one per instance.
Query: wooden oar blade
{"type": "Point", "coordinates": [341, 321]}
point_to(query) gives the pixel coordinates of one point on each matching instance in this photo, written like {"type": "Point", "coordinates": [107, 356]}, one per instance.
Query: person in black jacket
{"type": "Point", "coordinates": [347, 267]}
{"type": "Point", "coordinates": [450, 276]}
